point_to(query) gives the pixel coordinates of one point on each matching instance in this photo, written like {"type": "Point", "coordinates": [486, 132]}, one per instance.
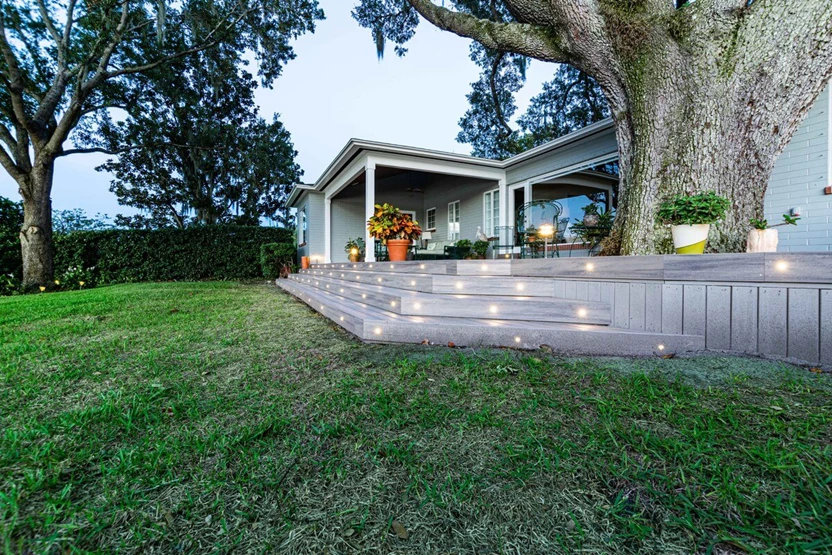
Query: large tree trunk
{"type": "Point", "coordinates": [36, 233]}
{"type": "Point", "coordinates": [705, 96]}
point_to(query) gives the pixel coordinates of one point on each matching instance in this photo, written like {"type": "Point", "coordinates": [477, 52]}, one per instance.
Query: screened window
{"type": "Point", "coordinates": [491, 212]}
{"type": "Point", "coordinates": [453, 221]}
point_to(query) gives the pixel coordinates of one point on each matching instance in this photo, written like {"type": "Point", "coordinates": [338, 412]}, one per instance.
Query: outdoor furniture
{"type": "Point", "coordinates": [503, 243]}
{"type": "Point", "coordinates": [434, 251]}
{"type": "Point", "coordinates": [590, 235]}
{"type": "Point", "coordinates": [529, 218]}
{"type": "Point", "coordinates": [456, 253]}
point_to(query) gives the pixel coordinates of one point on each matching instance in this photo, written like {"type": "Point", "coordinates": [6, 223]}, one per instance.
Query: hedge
{"type": "Point", "coordinates": [199, 253]}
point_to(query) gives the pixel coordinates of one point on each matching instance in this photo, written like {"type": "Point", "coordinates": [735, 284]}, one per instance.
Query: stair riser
{"type": "Point", "coordinates": [469, 285]}
{"type": "Point", "coordinates": [564, 342]}
{"type": "Point", "coordinates": [504, 286]}
{"type": "Point", "coordinates": [427, 267]}
{"type": "Point", "coordinates": [564, 312]}
{"type": "Point", "coordinates": [347, 321]}
{"type": "Point", "coordinates": [383, 300]}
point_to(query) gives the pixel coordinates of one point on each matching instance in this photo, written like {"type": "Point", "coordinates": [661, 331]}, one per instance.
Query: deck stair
{"type": "Point", "coordinates": [468, 303]}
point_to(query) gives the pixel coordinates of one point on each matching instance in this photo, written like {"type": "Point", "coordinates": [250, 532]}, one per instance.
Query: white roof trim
{"type": "Point", "coordinates": [355, 146]}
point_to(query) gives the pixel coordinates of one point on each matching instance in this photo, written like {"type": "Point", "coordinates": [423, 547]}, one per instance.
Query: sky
{"type": "Point", "coordinates": [336, 89]}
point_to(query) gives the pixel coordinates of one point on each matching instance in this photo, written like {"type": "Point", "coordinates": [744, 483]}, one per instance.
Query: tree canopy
{"type": "Point", "coordinates": [63, 61]}
{"type": "Point", "coordinates": [192, 147]}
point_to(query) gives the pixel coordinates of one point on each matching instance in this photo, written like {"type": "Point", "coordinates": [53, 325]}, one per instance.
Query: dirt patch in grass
{"type": "Point", "coordinates": [196, 418]}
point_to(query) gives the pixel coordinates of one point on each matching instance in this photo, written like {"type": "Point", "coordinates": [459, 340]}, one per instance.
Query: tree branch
{"type": "Point", "coordinates": [535, 41]}
{"type": "Point", "coordinates": [122, 150]}
{"type": "Point", "coordinates": [495, 67]}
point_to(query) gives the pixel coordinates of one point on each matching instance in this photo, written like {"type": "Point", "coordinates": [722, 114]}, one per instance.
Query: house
{"type": "Point", "coordinates": [451, 195]}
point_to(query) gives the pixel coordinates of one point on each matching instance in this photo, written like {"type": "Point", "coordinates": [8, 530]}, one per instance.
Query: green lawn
{"type": "Point", "coordinates": [214, 417]}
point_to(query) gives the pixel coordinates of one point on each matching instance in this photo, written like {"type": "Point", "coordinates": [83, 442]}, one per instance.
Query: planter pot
{"type": "Point", "coordinates": [762, 240]}
{"type": "Point", "coordinates": [690, 239]}
{"type": "Point", "coordinates": [397, 249]}
{"type": "Point", "coordinates": [304, 262]}
{"type": "Point", "coordinates": [355, 258]}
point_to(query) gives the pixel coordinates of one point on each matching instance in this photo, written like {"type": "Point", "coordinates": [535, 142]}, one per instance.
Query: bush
{"type": "Point", "coordinates": [198, 253]}
{"type": "Point", "coordinates": [11, 219]}
{"type": "Point", "coordinates": [275, 258]}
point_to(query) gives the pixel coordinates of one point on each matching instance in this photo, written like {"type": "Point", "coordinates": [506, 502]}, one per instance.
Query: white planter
{"type": "Point", "coordinates": [762, 240]}
{"type": "Point", "coordinates": [690, 239]}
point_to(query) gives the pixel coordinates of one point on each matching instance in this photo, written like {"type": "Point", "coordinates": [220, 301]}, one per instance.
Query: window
{"type": "Point", "coordinates": [491, 212]}
{"type": "Point", "coordinates": [302, 226]}
{"type": "Point", "coordinates": [453, 221]}
{"type": "Point", "coordinates": [430, 219]}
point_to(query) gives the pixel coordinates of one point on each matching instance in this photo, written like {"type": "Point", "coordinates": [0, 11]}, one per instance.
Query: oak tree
{"type": "Point", "coordinates": [705, 94]}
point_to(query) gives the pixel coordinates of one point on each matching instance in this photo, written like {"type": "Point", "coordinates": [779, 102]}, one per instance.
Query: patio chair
{"type": "Point", "coordinates": [529, 218]}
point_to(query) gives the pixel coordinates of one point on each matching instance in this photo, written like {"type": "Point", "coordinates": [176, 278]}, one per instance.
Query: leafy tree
{"type": "Point", "coordinates": [76, 219]}
{"type": "Point", "coordinates": [705, 95]}
{"type": "Point", "coordinates": [11, 220]}
{"type": "Point", "coordinates": [194, 144]}
{"type": "Point", "coordinates": [64, 60]}
{"type": "Point", "coordinates": [568, 102]}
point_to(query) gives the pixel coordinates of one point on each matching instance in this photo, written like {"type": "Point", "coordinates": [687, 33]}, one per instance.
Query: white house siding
{"type": "Point", "coordinates": [447, 189]}
{"type": "Point", "coordinates": [602, 144]}
{"type": "Point", "coordinates": [798, 180]}
{"type": "Point", "coordinates": [314, 205]}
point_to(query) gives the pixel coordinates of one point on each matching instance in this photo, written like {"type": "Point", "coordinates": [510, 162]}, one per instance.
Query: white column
{"type": "Point", "coordinates": [503, 202]}
{"type": "Point", "coordinates": [370, 203]}
{"type": "Point", "coordinates": [328, 230]}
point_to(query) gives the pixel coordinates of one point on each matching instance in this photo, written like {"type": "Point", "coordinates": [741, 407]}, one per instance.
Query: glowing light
{"type": "Point", "coordinates": [342, 318]}
{"type": "Point", "coordinates": [377, 331]}
{"type": "Point", "coordinates": [421, 266]}
{"type": "Point", "coordinates": [354, 251]}
{"type": "Point", "coordinates": [590, 266]}
{"type": "Point", "coordinates": [484, 267]}
{"type": "Point", "coordinates": [363, 296]}
{"type": "Point", "coordinates": [781, 265]}
{"type": "Point", "coordinates": [391, 266]}
{"type": "Point", "coordinates": [582, 312]}
{"type": "Point", "coordinates": [459, 285]}
{"type": "Point", "coordinates": [492, 309]}
{"type": "Point", "coordinates": [392, 303]}
{"type": "Point", "coordinates": [342, 290]}
{"type": "Point", "coordinates": [520, 286]}
{"type": "Point", "coordinates": [546, 230]}
{"type": "Point", "coordinates": [379, 280]}
{"type": "Point", "coordinates": [412, 283]}
{"type": "Point", "coordinates": [517, 340]}
{"type": "Point", "coordinates": [357, 277]}
{"type": "Point", "coordinates": [418, 306]}
{"type": "Point", "coordinates": [661, 347]}
{"type": "Point", "coordinates": [371, 265]}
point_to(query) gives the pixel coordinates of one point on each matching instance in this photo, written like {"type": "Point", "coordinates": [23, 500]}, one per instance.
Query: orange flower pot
{"type": "Point", "coordinates": [304, 262]}
{"type": "Point", "coordinates": [397, 249]}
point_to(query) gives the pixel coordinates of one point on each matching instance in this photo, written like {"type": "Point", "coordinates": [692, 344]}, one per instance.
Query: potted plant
{"type": "Point", "coordinates": [479, 249]}
{"type": "Point", "coordinates": [459, 250]}
{"type": "Point", "coordinates": [763, 237]}
{"type": "Point", "coordinates": [395, 229]}
{"type": "Point", "coordinates": [355, 248]}
{"type": "Point", "coordinates": [591, 215]}
{"type": "Point", "coordinates": [690, 218]}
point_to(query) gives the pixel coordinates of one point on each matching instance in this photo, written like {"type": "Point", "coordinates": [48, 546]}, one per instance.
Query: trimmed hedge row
{"type": "Point", "coordinates": [199, 253]}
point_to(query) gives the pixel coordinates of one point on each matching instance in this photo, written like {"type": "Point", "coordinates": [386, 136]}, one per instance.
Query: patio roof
{"type": "Point", "coordinates": [355, 147]}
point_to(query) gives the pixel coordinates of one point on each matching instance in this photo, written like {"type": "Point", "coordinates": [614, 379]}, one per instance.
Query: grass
{"type": "Point", "coordinates": [214, 417]}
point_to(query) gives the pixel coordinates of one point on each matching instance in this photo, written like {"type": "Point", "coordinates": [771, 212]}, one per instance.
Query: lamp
{"type": "Point", "coordinates": [427, 236]}
{"type": "Point", "coordinates": [546, 231]}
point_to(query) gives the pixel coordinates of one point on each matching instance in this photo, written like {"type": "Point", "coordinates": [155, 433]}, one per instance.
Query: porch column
{"type": "Point", "coordinates": [369, 203]}
{"type": "Point", "coordinates": [503, 202]}
{"type": "Point", "coordinates": [328, 230]}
